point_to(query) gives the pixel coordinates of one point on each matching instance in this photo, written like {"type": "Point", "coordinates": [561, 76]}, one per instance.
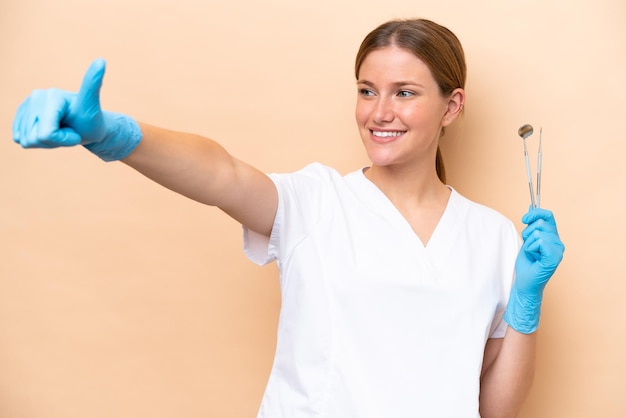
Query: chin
{"type": "Point", "coordinates": [381, 160]}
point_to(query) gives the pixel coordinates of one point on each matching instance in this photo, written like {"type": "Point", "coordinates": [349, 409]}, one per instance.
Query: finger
{"type": "Point", "coordinates": [540, 226]}
{"type": "Point", "coordinates": [63, 137]}
{"type": "Point", "coordinates": [51, 106]}
{"type": "Point", "coordinates": [545, 240]}
{"type": "Point", "coordinates": [535, 214]}
{"type": "Point", "coordinates": [539, 220]}
{"type": "Point", "coordinates": [547, 234]}
{"type": "Point", "coordinates": [548, 254]}
{"type": "Point", "coordinates": [88, 98]}
{"type": "Point", "coordinates": [26, 123]}
{"type": "Point", "coordinates": [19, 121]}
{"type": "Point", "coordinates": [36, 124]}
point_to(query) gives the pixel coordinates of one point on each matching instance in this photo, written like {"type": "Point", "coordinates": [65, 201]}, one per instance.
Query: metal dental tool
{"type": "Point", "coordinates": [539, 170]}
{"type": "Point", "coordinates": [525, 131]}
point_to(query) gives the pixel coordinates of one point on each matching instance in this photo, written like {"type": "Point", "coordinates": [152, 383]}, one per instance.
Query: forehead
{"type": "Point", "coordinates": [394, 63]}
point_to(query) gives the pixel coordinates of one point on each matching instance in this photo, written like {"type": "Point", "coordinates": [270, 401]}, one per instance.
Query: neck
{"type": "Point", "coordinates": [419, 186]}
{"type": "Point", "coordinates": [420, 197]}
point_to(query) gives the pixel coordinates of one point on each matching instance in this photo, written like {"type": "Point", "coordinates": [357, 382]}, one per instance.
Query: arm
{"type": "Point", "coordinates": [507, 375]}
{"type": "Point", "coordinates": [188, 164]}
{"type": "Point", "coordinates": [201, 169]}
{"type": "Point", "coordinates": [509, 363]}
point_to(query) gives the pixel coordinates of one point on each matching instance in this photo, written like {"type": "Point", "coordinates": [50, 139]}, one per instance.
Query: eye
{"type": "Point", "coordinates": [406, 93]}
{"type": "Point", "coordinates": [365, 92]}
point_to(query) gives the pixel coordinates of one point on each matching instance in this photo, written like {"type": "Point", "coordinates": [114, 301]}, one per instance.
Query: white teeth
{"type": "Point", "coordinates": [386, 134]}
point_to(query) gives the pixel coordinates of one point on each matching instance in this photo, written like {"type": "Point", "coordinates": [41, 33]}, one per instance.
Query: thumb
{"type": "Point", "coordinates": [88, 98]}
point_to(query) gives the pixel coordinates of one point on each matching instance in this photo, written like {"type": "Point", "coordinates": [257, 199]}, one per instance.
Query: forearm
{"type": "Point", "coordinates": [185, 163]}
{"type": "Point", "coordinates": [201, 169]}
{"type": "Point", "coordinates": [507, 381]}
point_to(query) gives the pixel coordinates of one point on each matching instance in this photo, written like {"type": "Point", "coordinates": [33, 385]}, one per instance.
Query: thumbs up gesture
{"type": "Point", "coordinates": [56, 118]}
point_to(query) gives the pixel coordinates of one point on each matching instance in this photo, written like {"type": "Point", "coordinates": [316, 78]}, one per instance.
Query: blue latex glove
{"type": "Point", "coordinates": [56, 118]}
{"type": "Point", "coordinates": [540, 255]}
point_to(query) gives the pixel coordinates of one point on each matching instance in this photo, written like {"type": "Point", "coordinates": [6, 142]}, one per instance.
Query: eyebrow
{"type": "Point", "coordinates": [395, 84]}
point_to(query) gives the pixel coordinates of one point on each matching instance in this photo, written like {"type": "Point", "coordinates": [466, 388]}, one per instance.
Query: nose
{"type": "Point", "coordinates": [383, 112]}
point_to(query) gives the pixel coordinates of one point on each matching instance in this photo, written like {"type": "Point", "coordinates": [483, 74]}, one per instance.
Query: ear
{"type": "Point", "coordinates": [456, 102]}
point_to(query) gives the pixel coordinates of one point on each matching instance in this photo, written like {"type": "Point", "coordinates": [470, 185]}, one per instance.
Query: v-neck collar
{"type": "Point", "coordinates": [445, 232]}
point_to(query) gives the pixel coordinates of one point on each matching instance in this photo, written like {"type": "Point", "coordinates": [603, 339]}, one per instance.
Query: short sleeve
{"type": "Point", "coordinates": [499, 326]}
{"type": "Point", "coordinates": [256, 247]}
{"type": "Point", "coordinates": [511, 246]}
{"type": "Point", "coordinates": [301, 201]}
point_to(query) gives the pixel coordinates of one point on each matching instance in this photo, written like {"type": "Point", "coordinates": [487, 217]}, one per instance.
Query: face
{"type": "Point", "coordinates": [400, 110]}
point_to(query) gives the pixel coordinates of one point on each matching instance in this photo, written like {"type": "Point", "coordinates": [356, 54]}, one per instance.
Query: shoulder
{"type": "Point", "coordinates": [313, 171]}
{"type": "Point", "coordinates": [478, 209]}
{"type": "Point", "coordinates": [483, 217]}
{"type": "Point", "coordinates": [314, 176]}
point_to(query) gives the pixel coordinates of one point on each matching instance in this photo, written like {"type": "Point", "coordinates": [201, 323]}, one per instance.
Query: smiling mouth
{"type": "Point", "coordinates": [387, 134]}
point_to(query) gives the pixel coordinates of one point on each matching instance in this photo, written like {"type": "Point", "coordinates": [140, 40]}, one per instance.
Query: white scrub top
{"type": "Point", "coordinates": [373, 323]}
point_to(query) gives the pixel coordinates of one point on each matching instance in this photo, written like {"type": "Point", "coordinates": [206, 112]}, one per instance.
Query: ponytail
{"type": "Point", "coordinates": [441, 170]}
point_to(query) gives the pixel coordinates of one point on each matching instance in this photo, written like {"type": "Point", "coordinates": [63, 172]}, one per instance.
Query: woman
{"type": "Point", "coordinates": [398, 298]}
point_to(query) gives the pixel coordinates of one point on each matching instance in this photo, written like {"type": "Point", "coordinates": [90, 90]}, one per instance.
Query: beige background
{"type": "Point", "coordinates": [121, 299]}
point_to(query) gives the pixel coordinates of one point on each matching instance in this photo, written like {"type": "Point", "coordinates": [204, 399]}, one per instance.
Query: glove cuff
{"type": "Point", "coordinates": [122, 138]}
{"type": "Point", "coordinates": [523, 311]}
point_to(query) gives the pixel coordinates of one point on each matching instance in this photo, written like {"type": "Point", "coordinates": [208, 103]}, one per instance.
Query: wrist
{"type": "Point", "coordinates": [123, 136]}
{"type": "Point", "coordinates": [523, 311]}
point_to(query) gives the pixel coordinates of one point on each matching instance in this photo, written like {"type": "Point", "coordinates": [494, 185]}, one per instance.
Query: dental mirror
{"type": "Point", "coordinates": [524, 132]}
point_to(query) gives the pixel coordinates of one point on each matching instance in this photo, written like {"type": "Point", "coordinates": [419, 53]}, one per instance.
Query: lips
{"type": "Point", "coordinates": [386, 136]}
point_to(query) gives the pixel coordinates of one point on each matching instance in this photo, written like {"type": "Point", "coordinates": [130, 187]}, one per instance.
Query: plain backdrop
{"type": "Point", "coordinates": [119, 298]}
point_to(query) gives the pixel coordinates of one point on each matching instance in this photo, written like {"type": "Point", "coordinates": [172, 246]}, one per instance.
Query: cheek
{"type": "Point", "coordinates": [361, 113]}
{"type": "Point", "coordinates": [418, 116]}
